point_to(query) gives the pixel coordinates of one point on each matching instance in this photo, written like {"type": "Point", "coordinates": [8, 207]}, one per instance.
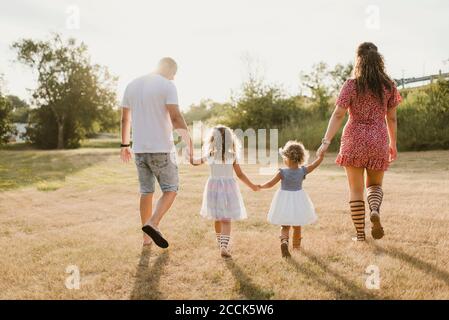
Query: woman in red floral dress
{"type": "Point", "coordinates": [368, 143]}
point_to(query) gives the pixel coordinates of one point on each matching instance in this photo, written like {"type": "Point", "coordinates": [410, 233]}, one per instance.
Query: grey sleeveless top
{"type": "Point", "coordinates": [291, 179]}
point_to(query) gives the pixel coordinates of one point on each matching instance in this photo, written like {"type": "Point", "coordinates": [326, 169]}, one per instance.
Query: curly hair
{"type": "Point", "coordinates": [222, 144]}
{"type": "Point", "coordinates": [295, 151]}
{"type": "Point", "coordinates": [369, 71]}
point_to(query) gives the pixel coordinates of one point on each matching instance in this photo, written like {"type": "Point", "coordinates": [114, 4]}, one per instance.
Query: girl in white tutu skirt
{"type": "Point", "coordinates": [222, 201]}
{"type": "Point", "coordinates": [291, 206]}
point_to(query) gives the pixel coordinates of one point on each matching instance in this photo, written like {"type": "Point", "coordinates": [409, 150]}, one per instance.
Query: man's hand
{"type": "Point", "coordinates": [126, 154]}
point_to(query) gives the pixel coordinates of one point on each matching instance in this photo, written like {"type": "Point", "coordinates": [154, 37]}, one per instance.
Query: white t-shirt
{"type": "Point", "coordinates": [147, 98]}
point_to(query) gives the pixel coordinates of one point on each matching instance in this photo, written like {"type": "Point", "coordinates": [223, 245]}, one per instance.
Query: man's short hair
{"type": "Point", "coordinates": [168, 63]}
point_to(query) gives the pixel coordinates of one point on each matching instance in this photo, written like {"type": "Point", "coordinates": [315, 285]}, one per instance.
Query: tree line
{"type": "Point", "coordinates": [76, 99]}
{"type": "Point", "coordinates": [422, 116]}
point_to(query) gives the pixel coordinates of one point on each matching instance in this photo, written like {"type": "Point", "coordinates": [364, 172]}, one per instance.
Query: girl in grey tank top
{"type": "Point", "coordinates": [291, 207]}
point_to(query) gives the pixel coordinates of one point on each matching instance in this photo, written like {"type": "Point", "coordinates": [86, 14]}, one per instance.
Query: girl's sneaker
{"type": "Point", "coordinates": [225, 253]}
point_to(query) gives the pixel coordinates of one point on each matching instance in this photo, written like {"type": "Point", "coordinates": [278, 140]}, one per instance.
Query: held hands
{"type": "Point", "coordinates": [255, 187]}
{"type": "Point", "coordinates": [125, 154]}
{"type": "Point", "coordinates": [322, 150]}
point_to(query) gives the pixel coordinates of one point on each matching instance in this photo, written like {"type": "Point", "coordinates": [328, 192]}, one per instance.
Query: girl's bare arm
{"type": "Point", "coordinates": [272, 182]}
{"type": "Point", "coordinates": [242, 176]}
{"type": "Point", "coordinates": [315, 163]}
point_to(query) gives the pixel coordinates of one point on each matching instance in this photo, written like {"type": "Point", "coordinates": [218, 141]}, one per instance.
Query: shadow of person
{"type": "Point", "coordinates": [245, 284]}
{"type": "Point", "coordinates": [147, 279]}
{"type": "Point", "coordinates": [415, 262]}
{"type": "Point", "coordinates": [347, 290]}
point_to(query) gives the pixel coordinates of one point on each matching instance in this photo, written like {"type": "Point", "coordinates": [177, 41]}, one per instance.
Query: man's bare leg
{"type": "Point", "coordinates": [146, 208]}
{"type": "Point", "coordinates": [163, 204]}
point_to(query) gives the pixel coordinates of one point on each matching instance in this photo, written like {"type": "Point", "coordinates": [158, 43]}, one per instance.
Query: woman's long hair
{"type": "Point", "coordinates": [222, 145]}
{"type": "Point", "coordinates": [369, 71]}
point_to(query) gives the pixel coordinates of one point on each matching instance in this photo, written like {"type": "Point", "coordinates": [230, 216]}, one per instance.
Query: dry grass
{"type": "Point", "coordinates": [88, 216]}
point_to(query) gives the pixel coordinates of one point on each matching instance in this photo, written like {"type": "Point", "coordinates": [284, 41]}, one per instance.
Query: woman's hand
{"type": "Point", "coordinates": [322, 150]}
{"type": "Point", "coordinates": [393, 152]}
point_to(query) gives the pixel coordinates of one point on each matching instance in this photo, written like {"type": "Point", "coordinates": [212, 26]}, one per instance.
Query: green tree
{"type": "Point", "coordinates": [261, 106]}
{"type": "Point", "coordinates": [324, 83]}
{"type": "Point", "coordinates": [20, 109]}
{"type": "Point", "coordinates": [7, 128]}
{"type": "Point", "coordinates": [317, 81]}
{"type": "Point", "coordinates": [207, 111]}
{"type": "Point", "coordinates": [74, 97]}
{"type": "Point", "coordinates": [340, 74]}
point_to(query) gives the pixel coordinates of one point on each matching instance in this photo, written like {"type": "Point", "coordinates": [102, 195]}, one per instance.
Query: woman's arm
{"type": "Point", "coordinates": [242, 176]}
{"type": "Point", "coordinates": [272, 182]}
{"type": "Point", "coordinates": [315, 163]}
{"type": "Point", "coordinates": [392, 131]}
{"type": "Point", "coordinates": [334, 125]}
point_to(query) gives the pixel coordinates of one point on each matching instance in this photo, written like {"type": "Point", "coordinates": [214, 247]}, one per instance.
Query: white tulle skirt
{"type": "Point", "coordinates": [291, 208]}
{"type": "Point", "coordinates": [222, 200]}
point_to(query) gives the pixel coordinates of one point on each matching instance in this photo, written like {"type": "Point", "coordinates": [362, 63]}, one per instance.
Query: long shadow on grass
{"type": "Point", "coordinates": [146, 286]}
{"type": "Point", "coordinates": [245, 284]}
{"type": "Point", "coordinates": [415, 262]}
{"type": "Point", "coordinates": [348, 289]}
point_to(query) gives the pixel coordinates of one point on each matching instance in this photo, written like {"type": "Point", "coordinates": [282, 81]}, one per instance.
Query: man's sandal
{"type": "Point", "coordinates": [157, 237]}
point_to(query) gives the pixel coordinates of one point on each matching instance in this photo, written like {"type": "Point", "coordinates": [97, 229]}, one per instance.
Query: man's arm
{"type": "Point", "coordinates": [126, 153]}
{"type": "Point", "coordinates": [180, 125]}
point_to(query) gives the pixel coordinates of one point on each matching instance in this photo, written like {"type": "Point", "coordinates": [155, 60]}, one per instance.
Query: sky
{"type": "Point", "coordinates": [211, 40]}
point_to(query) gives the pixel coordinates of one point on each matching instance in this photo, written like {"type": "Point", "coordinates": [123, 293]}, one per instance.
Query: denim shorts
{"type": "Point", "coordinates": [159, 166]}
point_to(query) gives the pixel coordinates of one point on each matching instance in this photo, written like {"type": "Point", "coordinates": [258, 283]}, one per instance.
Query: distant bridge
{"type": "Point", "coordinates": [402, 82]}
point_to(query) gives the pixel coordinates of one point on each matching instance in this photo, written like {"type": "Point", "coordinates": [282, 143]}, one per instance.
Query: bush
{"type": "Point", "coordinates": [7, 128]}
{"type": "Point", "coordinates": [423, 117]}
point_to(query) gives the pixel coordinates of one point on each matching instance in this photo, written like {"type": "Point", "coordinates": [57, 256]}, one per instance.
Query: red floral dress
{"type": "Point", "coordinates": [364, 142]}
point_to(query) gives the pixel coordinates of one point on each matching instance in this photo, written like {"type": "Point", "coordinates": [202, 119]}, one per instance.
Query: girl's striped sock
{"type": "Point", "coordinates": [224, 241]}
{"type": "Point", "coordinates": [218, 235]}
{"type": "Point", "coordinates": [358, 218]}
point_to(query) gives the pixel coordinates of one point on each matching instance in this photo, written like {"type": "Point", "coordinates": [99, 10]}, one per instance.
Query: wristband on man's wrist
{"type": "Point", "coordinates": [125, 145]}
{"type": "Point", "coordinates": [324, 141]}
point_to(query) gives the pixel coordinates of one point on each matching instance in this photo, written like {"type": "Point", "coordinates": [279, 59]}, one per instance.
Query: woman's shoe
{"type": "Point", "coordinates": [376, 229]}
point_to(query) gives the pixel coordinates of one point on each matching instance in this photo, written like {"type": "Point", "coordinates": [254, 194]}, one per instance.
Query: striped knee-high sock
{"type": "Point", "coordinates": [374, 196]}
{"type": "Point", "coordinates": [358, 217]}
{"type": "Point", "coordinates": [218, 235]}
{"type": "Point", "coordinates": [224, 242]}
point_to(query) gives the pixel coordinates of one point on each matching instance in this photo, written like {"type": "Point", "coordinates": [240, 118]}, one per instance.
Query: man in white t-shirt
{"type": "Point", "coordinates": [150, 104]}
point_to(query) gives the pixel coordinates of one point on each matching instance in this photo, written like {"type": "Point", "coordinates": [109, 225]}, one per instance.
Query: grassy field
{"type": "Point", "coordinates": [80, 207]}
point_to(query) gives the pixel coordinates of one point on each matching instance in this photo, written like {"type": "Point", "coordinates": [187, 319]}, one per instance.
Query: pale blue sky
{"type": "Point", "coordinates": [208, 38]}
